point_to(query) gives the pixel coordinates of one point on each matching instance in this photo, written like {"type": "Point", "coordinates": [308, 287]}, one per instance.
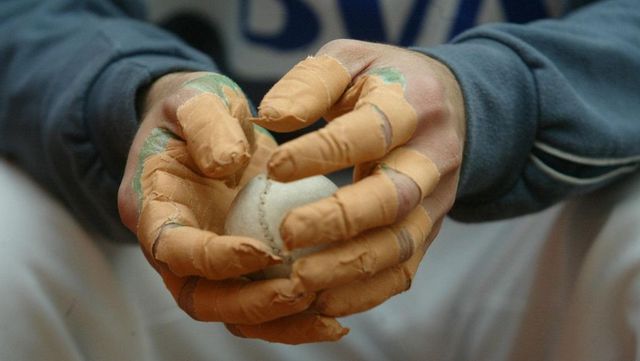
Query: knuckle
{"type": "Point", "coordinates": [337, 46]}
{"type": "Point", "coordinates": [355, 55]}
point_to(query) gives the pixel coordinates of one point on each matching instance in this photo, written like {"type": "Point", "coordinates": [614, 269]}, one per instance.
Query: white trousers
{"type": "Point", "coordinates": [563, 284]}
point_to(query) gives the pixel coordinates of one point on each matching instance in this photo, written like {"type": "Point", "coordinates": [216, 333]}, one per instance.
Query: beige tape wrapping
{"type": "Point", "coordinates": [304, 94]}
{"type": "Point", "coordinates": [363, 256]}
{"type": "Point", "coordinates": [215, 138]}
{"type": "Point", "coordinates": [364, 294]}
{"type": "Point", "coordinates": [240, 301]}
{"type": "Point", "coordinates": [195, 193]}
{"type": "Point", "coordinates": [353, 137]}
{"type": "Point", "coordinates": [177, 203]}
{"type": "Point", "coordinates": [189, 249]}
{"type": "Point", "coordinates": [416, 166]}
{"type": "Point", "coordinates": [181, 216]}
{"type": "Point", "coordinates": [358, 258]}
{"type": "Point", "coordinates": [361, 295]}
{"type": "Point", "coordinates": [344, 215]}
{"type": "Point", "coordinates": [389, 99]}
{"type": "Point", "coordinates": [296, 329]}
{"type": "Point", "coordinates": [331, 148]}
{"type": "Point", "coordinates": [170, 176]}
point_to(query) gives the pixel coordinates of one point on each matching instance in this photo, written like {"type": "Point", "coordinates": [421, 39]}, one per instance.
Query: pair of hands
{"type": "Point", "coordinates": [396, 115]}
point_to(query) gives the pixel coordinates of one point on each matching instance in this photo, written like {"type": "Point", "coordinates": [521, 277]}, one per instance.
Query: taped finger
{"type": "Point", "coordinates": [212, 124]}
{"type": "Point", "coordinates": [395, 186]}
{"type": "Point", "coordinates": [303, 95]}
{"type": "Point", "coordinates": [236, 301]}
{"type": "Point", "coordinates": [381, 120]}
{"type": "Point", "coordinates": [362, 295]}
{"type": "Point", "coordinates": [366, 293]}
{"type": "Point", "coordinates": [179, 223]}
{"type": "Point", "coordinates": [177, 184]}
{"type": "Point", "coordinates": [355, 137]}
{"type": "Point", "coordinates": [372, 202]}
{"type": "Point", "coordinates": [363, 256]}
{"type": "Point", "coordinates": [296, 329]}
{"type": "Point", "coordinates": [168, 233]}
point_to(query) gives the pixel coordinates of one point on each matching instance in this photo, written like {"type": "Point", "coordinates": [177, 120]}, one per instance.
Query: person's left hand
{"type": "Point", "coordinates": [398, 117]}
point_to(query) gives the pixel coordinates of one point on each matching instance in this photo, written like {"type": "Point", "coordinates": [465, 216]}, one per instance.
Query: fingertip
{"type": "Point", "coordinates": [275, 118]}
{"type": "Point", "coordinates": [328, 329]}
{"type": "Point", "coordinates": [281, 167]}
{"type": "Point", "coordinates": [345, 331]}
{"type": "Point", "coordinates": [307, 226]}
{"type": "Point", "coordinates": [293, 230]}
{"type": "Point", "coordinates": [215, 138]}
{"type": "Point", "coordinates": [223, 161]}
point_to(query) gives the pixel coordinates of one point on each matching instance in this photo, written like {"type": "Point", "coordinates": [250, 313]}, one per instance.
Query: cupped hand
{"type": "Point", "coordinates": [397, 116]}
{"type": "Point", "coordinates": [193, 151]}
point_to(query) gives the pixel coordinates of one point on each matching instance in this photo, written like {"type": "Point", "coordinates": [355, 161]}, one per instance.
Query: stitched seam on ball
{"type": "Point", "coordinates": [262, 217]}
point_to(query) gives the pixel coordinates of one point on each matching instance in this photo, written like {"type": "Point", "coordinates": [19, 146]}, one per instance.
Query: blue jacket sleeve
{"type": "Point", "coordinates": [552, 108]}
{"type": "Point", "coordinates": [70, 72]}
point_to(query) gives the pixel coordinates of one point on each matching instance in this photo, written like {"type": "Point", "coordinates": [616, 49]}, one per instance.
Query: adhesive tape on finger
{"type": "Point", "coordinates": [259, 208]}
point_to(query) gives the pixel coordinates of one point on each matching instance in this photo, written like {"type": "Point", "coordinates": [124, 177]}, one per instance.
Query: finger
{"type": "Point", "coordinates": [179, 221]}
{"type": "Point", "coordinates": [367, 293]}
{"type": "Point", "coordinates": [296, 329]}
{"type": "Point", "coordinates": [215, 126]}
{"type": "Point", "coordinates": [381, 120]}
{"type": "Point", "coordinates": [363, 256]}
{"type": "Point", "coordinates": [362, 295]}
{"type": "Point", "coordinates": [168, 233]}
{"type": "Point", "coordinates": [172, 176]}
{"type": "Point", "coordinates": [236, 301]}
{"type": "Point", "coordinates": [303, 95]}
{"type": "Point", "coordinates": [399, 182]}
{"type": "Point", "coordinates": [352, 209]}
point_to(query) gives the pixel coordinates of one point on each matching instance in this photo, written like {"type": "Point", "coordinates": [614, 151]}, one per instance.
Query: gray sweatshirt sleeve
{"type": "Point", "coordinates": [70, 72]}
{"type": "Point", "coordinates": [553, 108]}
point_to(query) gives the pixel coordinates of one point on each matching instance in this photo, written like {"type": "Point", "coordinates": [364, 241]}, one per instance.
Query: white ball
{"type": "Point", "coordinates": [260, 207]}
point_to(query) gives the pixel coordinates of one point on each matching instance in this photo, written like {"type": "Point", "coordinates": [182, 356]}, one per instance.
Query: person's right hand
{"type": "Point", "coordinates": [193, 151]}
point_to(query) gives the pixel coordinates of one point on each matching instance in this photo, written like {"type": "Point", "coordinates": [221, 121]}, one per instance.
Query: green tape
{"type": "Point", "coordinates": [154, 144]}
{"type": "Point", "coordinates": [214, 83]}
{"type": "Point", "coordinates": [389, 75]}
